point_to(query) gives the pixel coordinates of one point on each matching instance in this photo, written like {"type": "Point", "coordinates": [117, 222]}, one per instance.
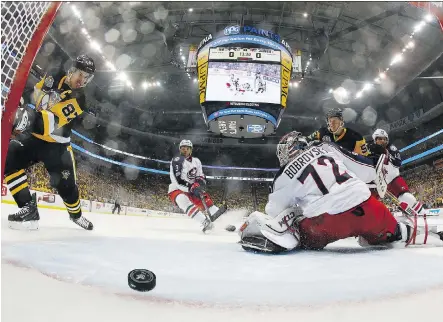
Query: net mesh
{"type": "Point", "coordinates": [18, 24]}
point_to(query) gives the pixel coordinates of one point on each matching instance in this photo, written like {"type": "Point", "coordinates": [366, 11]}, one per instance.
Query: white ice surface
{"type": "Point", "coordinates": [63, 273]}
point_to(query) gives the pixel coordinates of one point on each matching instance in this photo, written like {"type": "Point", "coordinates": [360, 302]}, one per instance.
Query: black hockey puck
{"type": "Point", "coordinates": [230, 228]}
{"type": "Point", "coordinates": [141, 280]}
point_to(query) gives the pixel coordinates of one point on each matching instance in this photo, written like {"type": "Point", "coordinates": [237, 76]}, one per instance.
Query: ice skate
{"type": "Point", "coordinates": [207, 225]}
{"type": "Point", "coordinates": [26, 218]}
{"type": "Point", "coordinates": [82, 222]}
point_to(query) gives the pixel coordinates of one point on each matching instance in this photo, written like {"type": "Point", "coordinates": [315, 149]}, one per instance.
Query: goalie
{"type": "Point", "coordinates": [317, 198]}
{"type": "Point", "coordinates": [187, 188]}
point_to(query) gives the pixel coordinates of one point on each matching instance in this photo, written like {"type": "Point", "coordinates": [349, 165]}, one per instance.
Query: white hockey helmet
{"type": "Point", "coordinates": [290, 146]}
{"type": "Point", "coordinates": [185, 143]}
{"type": "Point", "coordinates": [380, 133]}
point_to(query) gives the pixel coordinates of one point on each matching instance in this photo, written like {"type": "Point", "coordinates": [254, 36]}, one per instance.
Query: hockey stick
{"type": "Point", "coordinates": [207, 213]}
{"type": "Point", "coordinates": [380, 177]}
{"type": "Point", "coordinates": [412, 215]}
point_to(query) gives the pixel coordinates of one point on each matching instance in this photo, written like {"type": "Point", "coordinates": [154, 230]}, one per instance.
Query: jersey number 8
{"type": "Point", "coordinates": [68, 110]}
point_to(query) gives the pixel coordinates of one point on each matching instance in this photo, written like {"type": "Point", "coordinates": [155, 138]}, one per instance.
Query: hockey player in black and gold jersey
{"type": "Point", "coordinates": [43, 135]}
{"type": "Point", "coordinates": [336, 132]}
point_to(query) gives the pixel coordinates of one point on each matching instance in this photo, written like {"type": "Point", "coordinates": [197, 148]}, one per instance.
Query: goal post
{"type": "Point", "coordinates": [24, 26]}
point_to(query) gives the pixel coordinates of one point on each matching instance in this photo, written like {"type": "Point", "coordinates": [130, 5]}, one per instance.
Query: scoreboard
{"type": "Point", "coordinates": [245, 54]}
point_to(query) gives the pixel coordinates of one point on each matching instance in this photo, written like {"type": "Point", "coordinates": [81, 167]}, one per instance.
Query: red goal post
{"type": "Point", "coordinates": [24, 26]}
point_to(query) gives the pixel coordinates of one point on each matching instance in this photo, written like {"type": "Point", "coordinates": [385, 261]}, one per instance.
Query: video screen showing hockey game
{"type": "Point", "coordinates": [243, 82]}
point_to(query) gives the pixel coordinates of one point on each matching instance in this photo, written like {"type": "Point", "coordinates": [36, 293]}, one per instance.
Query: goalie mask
{"type": "Point", "coordinates": [290, 146]}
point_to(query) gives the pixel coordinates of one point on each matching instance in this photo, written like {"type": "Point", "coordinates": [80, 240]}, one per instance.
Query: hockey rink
{"type": "Point", "coordinates": [217, 90]}
{"type": "Point", "coordinates": [64, 273]}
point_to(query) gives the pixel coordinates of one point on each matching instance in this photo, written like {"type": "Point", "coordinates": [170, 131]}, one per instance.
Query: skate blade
{"type": "Point", "coordinates": [252, 247]}
{"type": "Point", "coordinates": [25, 225]}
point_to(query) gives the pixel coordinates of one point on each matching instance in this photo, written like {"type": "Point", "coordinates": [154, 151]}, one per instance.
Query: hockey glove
{"type": "Point", "coordinates": [376, 149]}
{"type": "Point", "coordinates": [24, 119]}
{"type": "Point", "coordinates": [196, 190]}
{"type": "Point", "coordinates": [201, 181]}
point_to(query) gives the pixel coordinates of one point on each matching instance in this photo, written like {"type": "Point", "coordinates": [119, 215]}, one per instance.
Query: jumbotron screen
{"type": "Point", "coordinates": [243, 82]}
{"type": "Point", "coordinates": [244, 75]}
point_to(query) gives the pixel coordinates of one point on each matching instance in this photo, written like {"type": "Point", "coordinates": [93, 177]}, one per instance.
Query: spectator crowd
{"type": "Point", "coordinates": [106, 183]}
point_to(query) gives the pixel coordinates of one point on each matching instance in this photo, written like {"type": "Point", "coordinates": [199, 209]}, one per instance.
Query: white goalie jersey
{"type": "Point", "coordinates": [183, 172]}
{"type": "Point", "coordinates": [322, 179]}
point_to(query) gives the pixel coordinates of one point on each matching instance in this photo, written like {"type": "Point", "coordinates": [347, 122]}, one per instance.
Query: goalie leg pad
{"type": "Point", "coordinates": [259, 231]}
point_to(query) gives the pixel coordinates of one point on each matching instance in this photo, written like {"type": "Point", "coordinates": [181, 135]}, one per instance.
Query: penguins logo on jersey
{"type": "Point", "coordinates": [326, 139]}
{"type": "Point", "coordinates": [192, 174]}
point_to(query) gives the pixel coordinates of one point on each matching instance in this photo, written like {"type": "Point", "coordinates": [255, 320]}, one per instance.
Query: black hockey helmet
{"type": "Point", "coordinates": [85, 63]}
{"type": "Point", "coordinates": [334, 112]}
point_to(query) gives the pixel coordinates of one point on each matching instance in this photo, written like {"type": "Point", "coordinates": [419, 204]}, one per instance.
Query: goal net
{"type": "Point", "coordinates": [23, 27]}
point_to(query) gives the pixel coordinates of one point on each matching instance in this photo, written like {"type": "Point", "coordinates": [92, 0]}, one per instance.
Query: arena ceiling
{"type": "Point", "coordinates": [350, 43]}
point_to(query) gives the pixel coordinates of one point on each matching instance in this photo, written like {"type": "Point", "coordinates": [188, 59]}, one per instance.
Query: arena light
{"type": "Point", "coordinates": [158, 84]}
{"type": "Point", "coordinates": [429, 17]}
{"type": "Point", "coordinates": [95, 45]}
{"type": "Point", "coordinates": [190, 9]}
{"type": "Point", "coordinates": [195, 80]}
{"type": "Point", "coordinates": [419, 26]}
{"type": "Point", "coordinates": [295, 84]}
{"type": "Point", "coordinates": [397, 58]}
{"type": "Point", "coordinates": [367, 86]}
{"type": "Point", "coordinates": [305, 14]}
{"type": "Point", "coordinates": [110, 65]}
{"type": "Point", "coordinates": [76, 11]}
{"type": "Point", "coordinates": [122, 76]}
{"type": "Point", "coordinates": [145, 85]}
{"type": "Point", "coordinates": [128, 83]}
{"type": "Point", "coordinates": [359, 94]}
{"type": "Point", "coordinates": [84, 31]}
{"type": "Point", "coordinates": [377, 80]}
{"type": "Point", "coordinates": [331, 90]}
{"type": "Point", "coordinates": [410, 44]}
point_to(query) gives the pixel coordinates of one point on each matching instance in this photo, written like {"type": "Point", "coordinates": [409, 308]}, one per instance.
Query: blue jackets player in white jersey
{"type": "Point", "coordinates": [320, 196]}
{"type": "Point", "coordinates": [188, 187]}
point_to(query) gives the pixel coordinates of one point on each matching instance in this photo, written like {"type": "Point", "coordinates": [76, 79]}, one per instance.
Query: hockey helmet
{"type": "Point", "coordinates": [335, 112]}
{"type": "Point", "coordinates": [380, 133]}
{"type": "Point", "coordinates": [290, 146]}
{"type": "Point", "coordinates": [86, 65]}
{"type": "Point", "coordinates": [185, 143]}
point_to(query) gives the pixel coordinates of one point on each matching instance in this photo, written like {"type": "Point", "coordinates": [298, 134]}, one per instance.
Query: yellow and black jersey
{"type": "Point", "coordinates": [349, 139]}
{"type": "Point", "coordinates": [57, 105]}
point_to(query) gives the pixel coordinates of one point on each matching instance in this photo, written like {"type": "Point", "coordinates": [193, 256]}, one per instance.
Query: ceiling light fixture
{"type": "Point", "coordinates": [305, 14]}
{"type": "Point", "coordinates": [110, 65]}
{"type": "Point", "coordinates": [429, 17]}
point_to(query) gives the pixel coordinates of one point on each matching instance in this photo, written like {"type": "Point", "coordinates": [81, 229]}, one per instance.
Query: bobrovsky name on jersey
{"type": "Point", "coordinates": [304, 159]}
